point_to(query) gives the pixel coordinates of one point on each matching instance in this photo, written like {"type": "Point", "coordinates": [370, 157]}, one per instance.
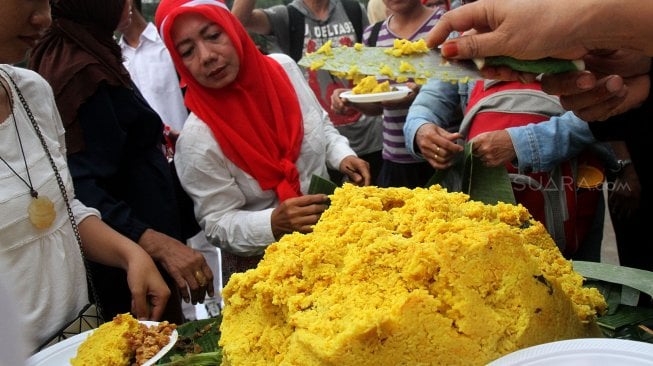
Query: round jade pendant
{"type": "Point", "coordinates": [41, 212]}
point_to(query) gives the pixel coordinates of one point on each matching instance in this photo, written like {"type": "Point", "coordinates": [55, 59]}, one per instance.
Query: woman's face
{"type": "Point", "coordinates": [126, 17]}
{"type": "Point", "coordinates": [205, 50]}
{"type": "Point", "coordinates": [22, 23]}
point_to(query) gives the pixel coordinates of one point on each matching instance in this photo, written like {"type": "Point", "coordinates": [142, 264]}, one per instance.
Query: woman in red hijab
{"type": "Point", "coordinates": [254, 138]}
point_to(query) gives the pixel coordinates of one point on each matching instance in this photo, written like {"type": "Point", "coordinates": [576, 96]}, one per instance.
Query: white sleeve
{"type": "Point", "coordinates": [337, 146]}
{"type": "Point", "coordinates": [219, 202]}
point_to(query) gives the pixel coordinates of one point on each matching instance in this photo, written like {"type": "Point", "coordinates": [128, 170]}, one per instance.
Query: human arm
{"type": "Point", "coordinates": [254, 20]}
{"type": "Point", "coordinates": [229, 205]}
{"type": "Point", "coordinates": [297, 214]}
{"type": "Point", "coordinates": [105, 245]}
{"type": "Point", "coordinates": [618, 81]}
{"type": "Point", "coordinates": [121, 171]}
{"type": "Point", "coordinates": [320, 131]}
{"type": "Point", "coordinates": [435, 111]}
{"type": "Point", "coordinates": [625, 195]}
{"type": "Point", "coordinates": [532, 30]}
{"type": "Point", "coordinates": [339, 105]}
{"type": "Point", "coordinates": [541, 146]}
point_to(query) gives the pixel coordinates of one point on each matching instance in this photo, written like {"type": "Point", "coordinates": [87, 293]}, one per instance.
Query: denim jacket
{"type": "Point", "coordinates": [539, 146]}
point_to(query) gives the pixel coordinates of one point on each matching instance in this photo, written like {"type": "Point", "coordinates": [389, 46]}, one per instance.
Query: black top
{"type": "Point", "coordinates": [123, 173]}
{"type": "Point", "coordinates": [122, 170]}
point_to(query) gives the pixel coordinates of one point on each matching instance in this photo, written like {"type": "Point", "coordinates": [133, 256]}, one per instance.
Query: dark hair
{"type": "Point", "coordinates": [138, 5]}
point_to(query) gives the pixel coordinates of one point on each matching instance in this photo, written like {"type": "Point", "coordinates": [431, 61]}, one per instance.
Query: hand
{"type": "Point", "coordinates": [437, 145]}
{"type": "Point", "coordinates": [298, 214]}
{"type": "Point", "coordinates": [494, 148]}
{"type": "Point", "coordinates": [147, 287]}
{"type": "Point", "coordinates": [624, 198]}
{"type": "Point", "coordinates": [406, 101]}
{"type": "Point", "coordinates": [357, 170]}
{"type": "Point", "coordinates": [339, 105]}
{"type": "Point", "coordinates": [185, 265]}
{"type": "Point", "coordinates": [623, 83]}
{"type": "Point", "coordinates": [524, 30]}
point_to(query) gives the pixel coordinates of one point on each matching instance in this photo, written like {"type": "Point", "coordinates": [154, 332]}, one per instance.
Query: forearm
{"type": "Point", "coordinates": [370, 109]}
{"type": "Point", "coordinates": [254, 20]}
{"type": "Point", "coordinates": [622, 24]}
{"type": "Point", "coordinates": [542, 146]}
{"type": "Point", "coordinates": [337, 146]}
{"type": "Point", "coordinates": [104, 245]}
{"type": "Point", "coordinates": [240, 232]}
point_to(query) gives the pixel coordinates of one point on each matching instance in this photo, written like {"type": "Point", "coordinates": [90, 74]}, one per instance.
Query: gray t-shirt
{"type": "Point", "coordinates": [365, 133]}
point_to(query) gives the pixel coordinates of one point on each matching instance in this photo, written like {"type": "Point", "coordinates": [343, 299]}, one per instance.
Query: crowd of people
{"type": "Point", "coordinates": [124, 162]}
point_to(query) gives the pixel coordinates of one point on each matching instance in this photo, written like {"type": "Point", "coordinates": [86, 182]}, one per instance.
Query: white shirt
{"type": "Point", "coordinates": [152, 70]}
{"type": "Point", "coordinates": [230, 206]}
{"type": "Point", "coordinates": [43, 268]}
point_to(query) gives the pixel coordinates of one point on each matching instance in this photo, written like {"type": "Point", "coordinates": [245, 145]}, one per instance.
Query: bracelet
{"type": "Point", "coordinates": [621, 164]}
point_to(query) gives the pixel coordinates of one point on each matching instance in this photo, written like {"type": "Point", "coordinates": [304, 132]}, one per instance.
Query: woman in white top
{"type": "Point", "coordinates": [40, 259]}
{"type": "Point", "coordinates": [255, 136]}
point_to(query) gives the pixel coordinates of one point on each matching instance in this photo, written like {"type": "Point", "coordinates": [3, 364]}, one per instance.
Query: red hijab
{"type": "Point", "coordinates": [256, 120]}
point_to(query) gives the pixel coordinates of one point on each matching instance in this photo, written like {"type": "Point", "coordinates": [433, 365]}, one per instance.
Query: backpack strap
{"type": "Point", "coordinates": [296, 27]}
{"type": "Point", "coordinates": [509, 101]}
{"type": "Point", "coordinates": [355, 15]}
{"type": "Point", "coordinates": [374, 33]}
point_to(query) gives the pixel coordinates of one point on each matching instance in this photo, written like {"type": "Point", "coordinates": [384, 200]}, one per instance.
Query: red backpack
{"type": "Point", "coordinates": [554, 197]}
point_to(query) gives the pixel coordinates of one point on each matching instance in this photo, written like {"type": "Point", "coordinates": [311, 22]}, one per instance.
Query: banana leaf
{"type": "Point", "coordinates": [623, 319]}
{"type": "Point", "coordinates": [196, 338]}
{"type": "Point", "coordinates": [321, 185]}
{"type": "Point", "coordinates": [632, 277]}
{"type": "Point", "coordinates": [469, 175]}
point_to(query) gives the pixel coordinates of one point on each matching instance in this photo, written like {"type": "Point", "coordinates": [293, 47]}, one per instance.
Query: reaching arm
{"type": "Point", "coordinates": [532, 30]}
{"type": "Point", "coordinates": [254, 20]}
{"type": "Point", "coordinates": [105, 245]}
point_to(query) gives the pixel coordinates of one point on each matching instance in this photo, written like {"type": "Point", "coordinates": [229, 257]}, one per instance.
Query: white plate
{"type": "Point", "coordinates": [401, 92]}
{"type": "Point", "coordinates": [580, 352]}
{"type": "Point", "coordinates": [60, 354]}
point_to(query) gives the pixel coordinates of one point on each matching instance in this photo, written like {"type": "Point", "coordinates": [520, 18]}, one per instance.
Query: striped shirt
{"type": "Point", "coordinates": [394, 143]}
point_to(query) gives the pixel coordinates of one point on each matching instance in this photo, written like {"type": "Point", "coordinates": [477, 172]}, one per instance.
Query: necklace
{"type": "Point", "coordinates": [41, 210]}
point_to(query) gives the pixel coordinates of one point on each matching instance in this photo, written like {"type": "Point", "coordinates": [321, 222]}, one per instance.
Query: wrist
{"type": "Point", "coordinates": [621, 165]}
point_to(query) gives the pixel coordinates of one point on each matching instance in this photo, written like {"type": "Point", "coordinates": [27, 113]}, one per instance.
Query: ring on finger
{"type": "Point", "coordinates": [437, 149]}
{"type": "Point", "coordinates": [435, 156]}
{"type": "Point", "coordinates": [201, 279]}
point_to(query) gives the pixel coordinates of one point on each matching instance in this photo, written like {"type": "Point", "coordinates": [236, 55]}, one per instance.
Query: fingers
{"type": "Point", "coordinates": [440, 157]}
{"type": "Point", "coordinates": [569, 83]}
{"type": "Point", "coordinates": [338, 105]}
{"type": "Point", "coordinates": [476, 45]}
{"type": "Point", "coordinates": [600, 102]}
{"type": "Point", "coordinates": [202, 284]}
{"type": "Point", "coordinates": [140, 307]}
{"type": "Point", "coordinates": [157, 306]}
{"type": "Point", "coordinates": [588, 98]}
{"type": "Point", "coordinates": [459, 19]}
{"type": "Point", "coordinates": [358, 171]}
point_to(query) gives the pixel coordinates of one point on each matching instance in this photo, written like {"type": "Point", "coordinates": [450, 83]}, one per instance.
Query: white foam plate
{"type": "Point", "coordinates": [60, 354]}
{"type": "Point", "coordinates": [401, 92]}
{"type": "Point", "coordinates": [581, 352]}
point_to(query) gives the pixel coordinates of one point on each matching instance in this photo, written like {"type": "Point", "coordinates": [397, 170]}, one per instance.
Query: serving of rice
{"type": "Point", "coordinates": [406, 277]}
{"type": "Point", "coordinates": [123, 341]}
